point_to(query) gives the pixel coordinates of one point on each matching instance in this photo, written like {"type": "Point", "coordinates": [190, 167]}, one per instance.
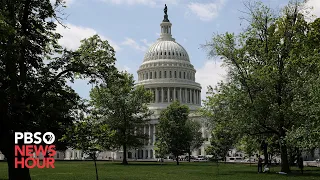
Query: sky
{"type": "Point", "coordinates": [131, 26]}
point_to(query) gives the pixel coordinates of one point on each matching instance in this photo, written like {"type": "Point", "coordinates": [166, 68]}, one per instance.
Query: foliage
{"type": "Point", "coordinates": [123, 107]}
{"type": "Point", "coordinates": [34, 95]}
{"type": "Point", "coordinates": [222, 140]}
{"type": "Point", "coordinates": [173, 132]}
{"type": "Point", "coordinates": [273, 66]}
{"type": "Point", "coordinates": [195, 139]}
{"type": "Point", "coordinates": [91, 137]}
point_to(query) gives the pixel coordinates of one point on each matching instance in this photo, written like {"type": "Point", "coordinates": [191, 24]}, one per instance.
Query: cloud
{"type": "Point", "coordinates": [73, 34]}
{"type": "Point", "coordinates": [206, 11]}
{"type": "Point", "coordinates": [142, 2]}
{"type": "Point", "coordinates": [132, 43]}
{"type": "Point", "coordinates": [145, 41]}
{"type": "Point", "coordinates": [210, 74]}
{"type": "Point", "coordinates": [315, 4]}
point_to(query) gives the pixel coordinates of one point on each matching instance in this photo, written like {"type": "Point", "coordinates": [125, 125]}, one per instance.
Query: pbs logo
{"type": "Point", "coordinates": [36, 138]}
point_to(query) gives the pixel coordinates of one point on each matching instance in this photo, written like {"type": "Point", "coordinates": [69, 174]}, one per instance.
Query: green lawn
{"type": "Point", "coordinates": [152, 171]}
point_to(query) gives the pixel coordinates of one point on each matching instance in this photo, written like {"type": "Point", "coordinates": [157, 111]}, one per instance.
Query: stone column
{"type": "Point", "coordinates": [157, 93]}
{"type": "Point", "coordinates": [154, 133]}
{"type": "Point", "coordinates": [144, 132]}
{"type": "Point", "coordinates": [162, 95]}
{"type": "Point", "coordinates": [185, 95]}
{"type": "Point", "coordinates": [180, 96]}
{"type": "Point", "coordinates": [174, 94]}
{"type": "Point", "coordinates": [168, 94]}
{"type": "Point", "coordinates": [149, 135]}
{"type": "Point", "coordinates": [194, 97]}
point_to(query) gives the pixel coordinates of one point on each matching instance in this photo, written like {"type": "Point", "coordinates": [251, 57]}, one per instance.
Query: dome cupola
{"type": "Point", "coordinates": [167, 72]}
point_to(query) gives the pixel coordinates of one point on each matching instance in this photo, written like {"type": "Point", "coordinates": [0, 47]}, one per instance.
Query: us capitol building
{"type": "Point", "coordinates": [166, 70]}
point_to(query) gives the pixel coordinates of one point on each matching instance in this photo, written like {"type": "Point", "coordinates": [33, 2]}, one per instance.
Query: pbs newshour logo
{"type": "Point", "coordinates": [32, 149]}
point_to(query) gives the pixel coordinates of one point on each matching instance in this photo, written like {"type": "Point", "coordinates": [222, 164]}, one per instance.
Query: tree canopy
{"type": "Point", "coordinates": [123, 106]}
{"type": "Point", "coordinates": [273, 76]}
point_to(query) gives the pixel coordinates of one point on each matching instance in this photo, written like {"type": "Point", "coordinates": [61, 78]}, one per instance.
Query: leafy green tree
{"type": "Point", "coordinates": [123, 107]}
{"type": "Point", "coordinates": [270, 67]}
{"type": "Point", "coordinates": [195, 136]}
{"type": "Point", "coordinates": [90, 136]}
{"type": "Point", "coordinates": [173, 130]}
{"type": "Point", "coordinates": [222, 140]}
{"type": "Point", "coordinates": [249, 146]}
{"type": "Point", "coordinates": [34, 96]}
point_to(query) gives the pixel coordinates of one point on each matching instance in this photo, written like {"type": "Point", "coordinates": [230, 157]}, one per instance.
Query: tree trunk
{"type": "Point", "coordinates": [265, 153]}
{"type": "Point", "coordinates": [15, 173]}
{"type": "Point", "coordinates": [284, 158]}
{"type": "Point", "coordinates": [124, 161]}
{"type": "Point", "coordinates": [95, 166]}
{"type": "Point", "coordinates": [189, 156]}
{"type": "Point", "coordinates": [177, 159]}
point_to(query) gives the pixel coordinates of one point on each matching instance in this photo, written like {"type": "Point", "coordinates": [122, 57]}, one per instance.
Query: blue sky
{"type": "Point", "coordinates": [131, 26]}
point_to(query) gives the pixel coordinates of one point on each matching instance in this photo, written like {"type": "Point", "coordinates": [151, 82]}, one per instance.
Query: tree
{"type": "Point", "coordinates": [249, 146]}
{"type": "Point", "coordinates": [123, 107]}
{"type": "Point", "coordinates": [195, 136]}
{"type": "Point", "coordinates": [270, 67]}
{"type": "Point", "coordinates": [222, 140]}
{"type": "Point", "coordinates": [34, 96]}
{"type": "Point", "coordinates": [90, 136]}
{"type": "Point", "coordinates": [173, 131]}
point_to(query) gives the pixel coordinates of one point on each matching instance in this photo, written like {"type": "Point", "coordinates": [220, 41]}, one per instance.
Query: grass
{"type": "Point", "coordinates": [154, 171]}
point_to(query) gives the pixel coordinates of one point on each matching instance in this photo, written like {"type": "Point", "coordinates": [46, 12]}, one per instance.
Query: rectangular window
{"type": "Point", "coordinates": [165, 74]}
{"type": "Point", "coordinates": [184, 75]}
{"type": "Point", "coordinates": [160, 74]}
{"type": "Point", "coordinates": [150, 75]}
{"type": "Point", "coordinates": [180, 74]}
{"type": "Point", "coordinates": [155, 75]}
{"type": "Point", "coordinates": [175, 74]}
{"type": "Point", "coordinates": [170, 74]}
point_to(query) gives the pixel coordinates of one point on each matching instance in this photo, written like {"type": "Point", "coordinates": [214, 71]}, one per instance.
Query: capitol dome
{"type": "Point", "coordinates": [167, 71]}
{"type": "Point", "coordinates": [166, 49]}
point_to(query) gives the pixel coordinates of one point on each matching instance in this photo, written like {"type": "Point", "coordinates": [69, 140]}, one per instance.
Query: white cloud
{"type": "Point", "coordinates": [132, 43]}
{"type": "Point", "coordinates": [73, 34]}
{"type": "Point", "coordinates": [206, 11]}
{"type": "Point", "coordinates": [142, 2]}
{"type": "Point", "coordinates": [315, 4]}
{"type": "Point", "coordinates": [145, 41]}
{"type": "Point", "coordinates": [210, 74]}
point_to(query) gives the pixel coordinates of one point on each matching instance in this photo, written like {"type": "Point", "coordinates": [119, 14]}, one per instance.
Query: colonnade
{"type": "Point", "coordinates": [147, 152]}
{"type": "Point", "coordinates": [170, 94]}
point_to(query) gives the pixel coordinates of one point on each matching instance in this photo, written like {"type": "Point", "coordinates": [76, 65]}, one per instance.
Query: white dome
{"type": "Point", "coordinates": [166, 49]}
